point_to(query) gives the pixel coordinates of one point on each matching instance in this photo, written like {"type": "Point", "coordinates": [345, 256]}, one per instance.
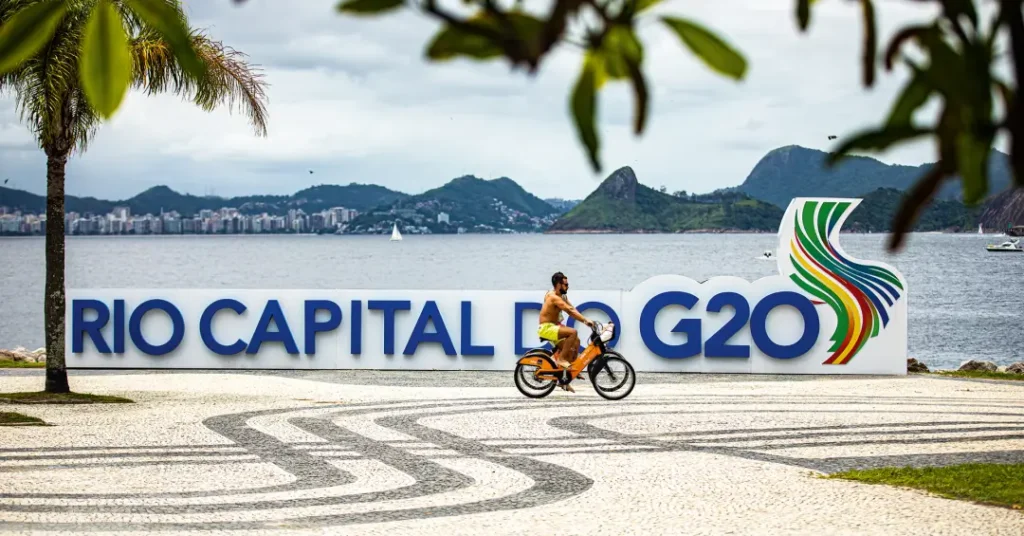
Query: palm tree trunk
{"type": "Point", "coordinates": [53, 302]}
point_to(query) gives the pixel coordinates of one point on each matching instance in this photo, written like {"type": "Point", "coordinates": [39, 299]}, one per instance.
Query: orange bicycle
{"type": "Point", "coordinates": [612, 376]}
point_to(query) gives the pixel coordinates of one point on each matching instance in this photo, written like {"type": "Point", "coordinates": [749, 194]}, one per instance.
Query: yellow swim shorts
{"type": "Point", "coordinates": [548, 331]}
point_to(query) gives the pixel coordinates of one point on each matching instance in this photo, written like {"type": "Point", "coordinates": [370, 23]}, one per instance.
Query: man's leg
{"type": "Point", "coordinates": [569, 345]}
{"type": "Point", "coordinates": [556, 351]}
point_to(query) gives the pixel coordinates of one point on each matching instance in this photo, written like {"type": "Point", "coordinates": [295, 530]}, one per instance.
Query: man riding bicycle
{"type": "Point", "coordinates": [565, 339]}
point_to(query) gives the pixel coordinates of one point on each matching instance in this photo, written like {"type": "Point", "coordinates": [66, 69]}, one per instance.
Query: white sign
{"type": "Point", "coordinates": [826, 313]}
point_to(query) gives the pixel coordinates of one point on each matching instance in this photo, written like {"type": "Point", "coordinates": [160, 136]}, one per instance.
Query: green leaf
{"type": "Point", "coordinates": [715, 52]}
{"type": "Point", "coordinates": [165, 19]}
{"type": "Point", "coordinates": [27, 31]}
{"type": "Point", "coordinates": [584, 107]}
{"type": "Point", "coordinates": [620, 48]}
{"type": "Point", "coordinates": [643, 5]}
{"type": "Point", "coordinates": [482, 37]}
{"type": "Point", "coordinates": [914, 95]}
{"type": "Point", "coordinates": [1006, 93]}
{"type": "Point", "coordinates": [451, 42]}
{"type": "Point", "coordinates": [900, 38]}
{"type": "Point", "coordinates": [946, 70]}
{"type": "Point", "coordinates": [972, 160]}
{"type": "Point", "coordinates": [870, 42]}
{"type": "Point", "coordinates": [641, 97]}
{"type": "Point", "coordinates": [803, 13]}
{"type": "Point", "coordinates": [369, 7]}
{"type": "Point", "coordinates": [876, 140]}
{"type": "Point", "coordinates": [105, 64]}
{"type": "Point", "coordinates": [955, 8]}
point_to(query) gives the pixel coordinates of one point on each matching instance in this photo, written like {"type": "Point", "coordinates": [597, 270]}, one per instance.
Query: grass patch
{"type": "Point", "coordinates": [982, 374]}
{"type": "Point", "coordinates": [43, 397]}
{"type": "Point", "coordinates": [6, 363]}
{"type": "Point", "coordinates": [988, 483]}
{"type": "Point", "coordinates": [17, 419]}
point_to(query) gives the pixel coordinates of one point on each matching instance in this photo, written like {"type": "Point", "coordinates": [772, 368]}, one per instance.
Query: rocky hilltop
{"type": "Point", "coordinates": [794, 171]}
{"type": "Point", "coordinates": [622, 205]}
{"type": "Point", "coordinates": [1004, 210]}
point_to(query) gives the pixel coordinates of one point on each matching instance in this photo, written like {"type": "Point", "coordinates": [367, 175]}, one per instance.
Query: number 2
{"type": "Point", "coordinates": [716, 345]}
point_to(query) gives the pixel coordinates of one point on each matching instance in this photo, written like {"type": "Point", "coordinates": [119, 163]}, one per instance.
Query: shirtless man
{"type": "Point", "coordinates": [564, 338]}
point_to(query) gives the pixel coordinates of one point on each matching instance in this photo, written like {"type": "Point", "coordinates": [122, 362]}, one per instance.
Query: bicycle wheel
{"type": "Point", "coordinates": [615, 380]}
{"type": "Point", "coordinates": [530, 385]}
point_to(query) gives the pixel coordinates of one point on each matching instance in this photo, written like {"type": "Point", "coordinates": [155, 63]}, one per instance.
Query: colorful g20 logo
{"type": "Point", "coordinates": [861, 293]}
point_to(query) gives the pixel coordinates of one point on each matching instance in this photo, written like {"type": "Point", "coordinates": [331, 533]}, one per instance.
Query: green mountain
{"type": "Point", "coordinates": [562, 205]}
{"type": "Point", "coordinates": [36, 204]}
{"type": "Point", "coordinates": [469, 202]}
{"type": "Point", "coordinates": [622, 204]}
{"type": "Point", "coordinates": [356, 196]}
{"type": "Point", "coordinates": [876, 212]}
{"type": "Point", "coordinates": [795, 171]}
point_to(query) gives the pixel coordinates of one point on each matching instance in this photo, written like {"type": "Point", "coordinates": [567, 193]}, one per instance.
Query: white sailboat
{"type": "Point", "coordinates": [979, 229]}
{"type": "Point", "coordinates": [395, 235]}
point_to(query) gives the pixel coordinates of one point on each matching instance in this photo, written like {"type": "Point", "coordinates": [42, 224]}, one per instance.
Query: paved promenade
{"type": "Point", "coordinates": [333, 453]}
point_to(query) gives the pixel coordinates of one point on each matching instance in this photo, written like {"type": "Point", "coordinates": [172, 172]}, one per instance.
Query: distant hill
{"type": "Point", "coordinates": [562, 205]}
{"type": "Point", "coordinates": [36, 204]}
{"type": "Point", "coordinates": [1004, 210]}
{"type": "Point", "coordinates": [469, 202]}
{"type": "Point", "coordinates": [622, 204]}
{"type": "Point", "coordinates": [795, 171]}
{"type": "Point", "coordinates": [876, 212]}
{"type": "Point", "coordinates": [360, 197]}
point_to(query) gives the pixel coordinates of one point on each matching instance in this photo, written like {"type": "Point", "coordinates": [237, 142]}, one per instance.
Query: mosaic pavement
{"type": "Point", "coordinates": [283, 455]}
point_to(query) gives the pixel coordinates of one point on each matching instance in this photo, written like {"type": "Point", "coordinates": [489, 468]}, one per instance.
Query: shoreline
{"type": "Point", "coordinates": [548, 232]}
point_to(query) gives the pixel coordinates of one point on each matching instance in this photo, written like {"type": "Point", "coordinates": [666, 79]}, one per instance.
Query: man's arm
{"type": "Point", "coordinates": [568, 308]}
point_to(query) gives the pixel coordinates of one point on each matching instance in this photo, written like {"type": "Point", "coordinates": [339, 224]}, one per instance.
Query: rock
{"type": "Point", "coordinates": [21, 354]}
{"type": "Point", "coordinates": [986, 366]}
{"type": "Point", "coordinates": [914, 365]}
{"type": "Point", "coordinates": [1016, 368]}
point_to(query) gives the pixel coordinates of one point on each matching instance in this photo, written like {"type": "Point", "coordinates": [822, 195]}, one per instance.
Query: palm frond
{"type": "Point", "coordinates": [229, 77]}
{"type": "Point", "coordinates": [49, 95]}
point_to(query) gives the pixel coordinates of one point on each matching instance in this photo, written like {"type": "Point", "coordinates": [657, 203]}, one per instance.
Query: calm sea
{"type": "Point", "coordinates": [964, 302]}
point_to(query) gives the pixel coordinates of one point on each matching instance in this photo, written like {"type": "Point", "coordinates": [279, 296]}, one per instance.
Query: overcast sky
{"type": "Point", "coordinates": [354, 101]}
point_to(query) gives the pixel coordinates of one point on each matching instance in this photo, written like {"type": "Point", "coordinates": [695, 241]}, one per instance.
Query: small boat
{"type": "Point", "coordinates": [1010, 246]}
{"type": "Point", "coordinates": [979, 229]}
{"type": "Point", "coordinates": [395, 235]}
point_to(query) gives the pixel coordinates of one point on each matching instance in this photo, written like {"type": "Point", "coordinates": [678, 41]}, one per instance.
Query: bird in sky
{"type": "Point", "coordinates": [311, 172]}
{"type": "Point", "coordinates": [831, 137]}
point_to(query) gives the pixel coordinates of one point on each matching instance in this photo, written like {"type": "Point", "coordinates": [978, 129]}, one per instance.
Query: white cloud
{"type": "Point", "coordinates": [354, 100]}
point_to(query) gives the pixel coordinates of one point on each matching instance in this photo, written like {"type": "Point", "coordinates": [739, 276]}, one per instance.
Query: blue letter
{"type": "Point", "coordinates": [467, 333]}
{"type": "Point", "coordinates": [313, 327]}
{"type": "Point", "coordinates": [420, 335]}
{"type": "Point", "coordinates": [81, 327]}
{"type": "Point", "coordinates": [612, 317]}
{"type": "Point", "coordinates": [759, 327]}
{"type": "Point", "coordinates": [272, 313]}
{"type": "Point", "coordinates": [716, 345]}
{"type": "Point", "coordinates": [206, 327]}
{"type": "Point", "coordinates": [389, 307]}
{"type": "Point", "coordinates": [177, 327]}
{"type": "Point", "coordinates": [520, 307]}
{"type": "Point", "coordinates": [689, 326]}
{"type": "Point", "coordinates": [118, 326]}
{"type": "Point", "coordinates": [357, 327]}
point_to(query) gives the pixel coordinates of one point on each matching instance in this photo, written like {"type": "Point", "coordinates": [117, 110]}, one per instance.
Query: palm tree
{"type": "Point", "coordinates": [51, 101]}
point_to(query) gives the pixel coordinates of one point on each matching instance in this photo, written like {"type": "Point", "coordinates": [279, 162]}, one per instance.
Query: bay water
{"type": "Point", "coordinates": [964, 302]}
